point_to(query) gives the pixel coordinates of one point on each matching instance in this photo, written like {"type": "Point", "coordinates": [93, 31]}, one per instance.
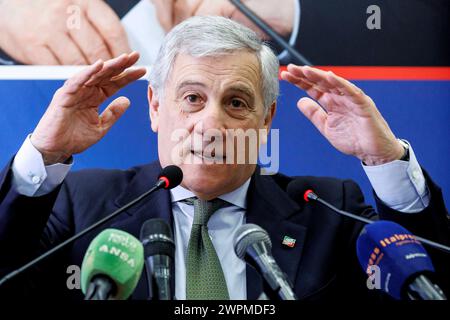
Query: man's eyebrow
{"type": "Point", "coordinates": [188, 83]}
{"type": "Point", "coordinates": [233, 88]}
{"type": "Point", "coordinates": [243, 89]}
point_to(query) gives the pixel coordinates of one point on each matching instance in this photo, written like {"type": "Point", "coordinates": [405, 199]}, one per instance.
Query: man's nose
{"type": "Point", "coordinates": [213, 117]}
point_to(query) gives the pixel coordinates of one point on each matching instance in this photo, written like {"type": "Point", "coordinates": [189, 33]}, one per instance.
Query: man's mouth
{"type": "Point", "coordinates": [208, 156]}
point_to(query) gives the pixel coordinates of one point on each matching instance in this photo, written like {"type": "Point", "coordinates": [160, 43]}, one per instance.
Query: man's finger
{"type": "Point", "coordinates": [314, 112]}
{"type": "Point", "coordinates": [112, 113]}
{"type": "Point", "coordinates": [314, 76]}
{"type": "Point", "coordinates": [65, 49]}
{"type": "Point", "coordinates": [184, 9]}
{"type": "Point", "coordinates": [109, 26]}
{"type": "Point", "coordinates": [311, 89]}
{"type": "Point", "coordinates": [346, 87]}
{"type": "Point", "coordinates": [164, 12]}
{"type": "Point", "coordinates": [41, 55]}
{"type": "Point", "coordinates": [118, 82]}
{"type": "Point", "coordinates": [74, 83]}
{"type": "Point", "coordinates": [113, 67]}
{"type": "Point", "coordinates": [215, 8]}
{"type": "Point", "coordinates": [128, 76]}
{"type": "Point", "coordinates": [320, 78]}
{"type": "Point", "coordinates": [329, 81]}
{"type": "Point", "coordinates": [90, 42]}
{"type": "Point", "coordinates": [300, 82]}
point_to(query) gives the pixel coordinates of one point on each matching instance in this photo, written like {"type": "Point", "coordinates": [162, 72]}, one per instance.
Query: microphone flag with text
{"type": "Point", "coordinates": [402, 262]}
{"type": "Point", "coordinates": [112, 266]}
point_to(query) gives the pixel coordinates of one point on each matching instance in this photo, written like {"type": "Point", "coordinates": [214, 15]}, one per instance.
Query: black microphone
{"type": "Point", "coordinates": [296, 190]}
{"type": "Point", "coordinates": [170, 177]}
{"type": "Point", "coordinates": [252, 244]}
{"type": "Point", "coordinates": [159, 250]}
{"type": "Point", "coordinates": [268, 30]}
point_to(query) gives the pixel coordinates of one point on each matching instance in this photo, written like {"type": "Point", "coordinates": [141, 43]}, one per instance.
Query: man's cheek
{"type": "Point", "coordinates": [180, 147]}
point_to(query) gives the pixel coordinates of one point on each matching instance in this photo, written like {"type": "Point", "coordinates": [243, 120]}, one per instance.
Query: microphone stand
{"type": "Point", "coordinates": [160, 184]}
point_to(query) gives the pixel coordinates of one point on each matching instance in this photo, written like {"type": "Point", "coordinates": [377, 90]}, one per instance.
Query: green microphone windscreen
{"type": "Point", "coordinates": [118, 255]}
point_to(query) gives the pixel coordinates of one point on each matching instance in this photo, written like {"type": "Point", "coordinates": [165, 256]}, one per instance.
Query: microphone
{"type": "Point", "coordinates": [112, 266]}
{"type": "Point", "coordinates": [296, 190]}
{"type": "Point", "coordinates": [402, 262]}
{"type": "Point", "coordinates": [170, 177]}
{"type": "Point", "coordinates": [159, 251]}
{"type": "Point", "coordinates": [252, 244]}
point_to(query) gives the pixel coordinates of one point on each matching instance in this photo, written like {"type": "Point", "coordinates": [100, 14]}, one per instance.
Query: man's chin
{"type": "Point", "coordinates": [212, 180]}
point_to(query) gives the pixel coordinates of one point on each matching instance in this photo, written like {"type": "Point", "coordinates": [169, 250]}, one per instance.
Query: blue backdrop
{"type": "Point", "coordinates": [416, 110]}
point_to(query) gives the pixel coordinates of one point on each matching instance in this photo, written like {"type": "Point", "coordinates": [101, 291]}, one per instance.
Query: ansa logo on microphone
{"type": "Point", "coordinates": [123, 240]}
{"type": "Point", "coordinates": [116, 241]}
{"type": "Point", "coordinates": [119, 253]}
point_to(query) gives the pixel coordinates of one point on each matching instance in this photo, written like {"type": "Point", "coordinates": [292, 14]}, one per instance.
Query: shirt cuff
{"type": "Point", "coordinates": [400, 184]}
{"type": "Point", "coordinates": [295, 28]}
{"type": "Point", "coordinates": [30, 175]}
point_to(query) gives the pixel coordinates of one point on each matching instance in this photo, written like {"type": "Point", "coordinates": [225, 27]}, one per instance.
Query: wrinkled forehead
{"type": "Point", "coordinates": [220, 70]}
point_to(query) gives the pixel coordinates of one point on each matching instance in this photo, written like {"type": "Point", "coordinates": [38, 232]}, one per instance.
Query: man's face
{"type": "Point", "coordinates": [206, 97]}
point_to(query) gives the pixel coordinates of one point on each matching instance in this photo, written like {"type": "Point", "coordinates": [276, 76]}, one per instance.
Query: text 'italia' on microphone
{"type": "Point", "coordinates": [252, 244]}
{"type": "Point", "coordinates": [388, 251]}
{"type": "Point", "coordinates": [159, 251]}
{"type": "Point", "coordinates": [112, 266]}
{"type": "Point", "coordinates": [169, 177]}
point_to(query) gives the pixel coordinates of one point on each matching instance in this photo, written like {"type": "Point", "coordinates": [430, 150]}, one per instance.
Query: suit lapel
{"type": "Point", "coordinates": [156, 205]}
{"type": "Point", "coordinates": [270, 207]}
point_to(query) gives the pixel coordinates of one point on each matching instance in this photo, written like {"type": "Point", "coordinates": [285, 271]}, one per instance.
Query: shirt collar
{"type": "Point", "coordinates": [236, 197]}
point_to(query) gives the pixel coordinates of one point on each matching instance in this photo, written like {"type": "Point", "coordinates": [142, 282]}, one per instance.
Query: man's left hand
{"type": "Point", "coordinates": [345, 115]}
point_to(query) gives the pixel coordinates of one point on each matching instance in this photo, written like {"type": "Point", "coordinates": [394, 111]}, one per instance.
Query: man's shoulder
{"type": "Point", "coordinates": [331, 188]}
{"type": "Point", "coordinates": [308, 182]}
{"type": "Point", "coordinates": [102, 178]}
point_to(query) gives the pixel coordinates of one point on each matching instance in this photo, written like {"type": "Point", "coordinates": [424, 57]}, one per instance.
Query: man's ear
{"type": "Point", "coordinates": [268, 120]}
{"type": "Point", "coordinates": [153, 103]}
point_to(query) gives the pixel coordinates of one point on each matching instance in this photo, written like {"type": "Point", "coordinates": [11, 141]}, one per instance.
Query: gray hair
{"type": "Point", "coordinates": [211, 36]}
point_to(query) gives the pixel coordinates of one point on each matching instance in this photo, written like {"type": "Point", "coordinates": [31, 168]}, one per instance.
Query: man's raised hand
{"type": "Point", "coordinates": [72, 122]}
{"type": "Point", "coordinates": [345, 115]}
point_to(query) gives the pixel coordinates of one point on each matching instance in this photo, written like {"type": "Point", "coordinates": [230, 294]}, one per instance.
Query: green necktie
{"type": "Point", "coordinates": [204, 274]}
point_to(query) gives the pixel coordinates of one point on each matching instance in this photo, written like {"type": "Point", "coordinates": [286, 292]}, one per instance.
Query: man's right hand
{"type": "Point", "coordinates": [72, 123]}
{"type": "Point", "coordinates": [66, 32]}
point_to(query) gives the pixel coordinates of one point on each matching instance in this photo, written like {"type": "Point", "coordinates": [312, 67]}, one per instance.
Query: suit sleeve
{"type": "Point", "coordinates": [28, 227]}
{"type": "Point", "coordinates": [351, 277]}
{"type": "Point", "coordinates": [432, 223]}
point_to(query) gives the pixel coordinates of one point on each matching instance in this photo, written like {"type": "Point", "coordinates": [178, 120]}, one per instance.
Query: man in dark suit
{"type": "Point", "coordinates": [213, 77]}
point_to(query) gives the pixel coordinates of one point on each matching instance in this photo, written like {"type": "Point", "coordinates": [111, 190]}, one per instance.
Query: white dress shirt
{"type": "Point", "coordinates": [222, 227]}
{"type": "Point", "coordinates": [399, 184]}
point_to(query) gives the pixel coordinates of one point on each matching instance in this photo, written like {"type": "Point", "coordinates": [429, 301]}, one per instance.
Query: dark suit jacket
{"type": "Point", "coordinates": [321, 266]}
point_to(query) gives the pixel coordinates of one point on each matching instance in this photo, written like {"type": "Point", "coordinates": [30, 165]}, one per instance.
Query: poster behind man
{"type": "Point", "coordinates": [414, 100]}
